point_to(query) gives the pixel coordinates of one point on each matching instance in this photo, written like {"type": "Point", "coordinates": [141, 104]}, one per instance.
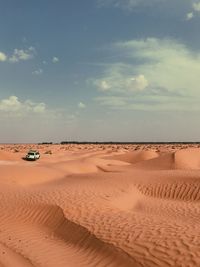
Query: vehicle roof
{"type": "Point", "coordinates": [33, 151]}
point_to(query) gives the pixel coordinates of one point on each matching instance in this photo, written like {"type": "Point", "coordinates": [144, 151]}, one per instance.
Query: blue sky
{"type": "Point", "coordinates": [99, 70]}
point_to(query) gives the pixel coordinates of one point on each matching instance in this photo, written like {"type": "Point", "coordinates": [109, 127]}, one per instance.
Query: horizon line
{"type": "Point", "coordinates": [102, 142]}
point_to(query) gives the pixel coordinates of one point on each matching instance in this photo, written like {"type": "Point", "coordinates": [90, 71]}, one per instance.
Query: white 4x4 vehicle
{"type": "Point", "coordinates": [33, 155]}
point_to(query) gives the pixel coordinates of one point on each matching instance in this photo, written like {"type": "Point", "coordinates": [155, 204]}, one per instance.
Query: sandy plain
{"type": "Point", "coordinates": [100, 206]}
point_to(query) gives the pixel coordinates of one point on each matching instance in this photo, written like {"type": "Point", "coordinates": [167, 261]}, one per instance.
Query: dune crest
{"type": "Point", "coordinates": [136, 156]}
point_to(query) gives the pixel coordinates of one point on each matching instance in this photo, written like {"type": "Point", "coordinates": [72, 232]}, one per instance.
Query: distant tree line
{"type": "Point", "coordinates": [46, 143]}
{"type": "Point", "coordinates": [126, 143]}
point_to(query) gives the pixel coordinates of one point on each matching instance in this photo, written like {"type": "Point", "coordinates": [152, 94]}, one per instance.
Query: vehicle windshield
{"type": "Point", "coordinates": [31, 154]}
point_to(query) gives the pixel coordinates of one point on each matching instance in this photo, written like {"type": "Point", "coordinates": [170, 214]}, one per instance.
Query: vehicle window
{"type": "Point", "coordinates": [31, 154]}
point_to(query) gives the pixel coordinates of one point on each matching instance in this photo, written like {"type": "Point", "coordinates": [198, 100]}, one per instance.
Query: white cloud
{"type": "Point", "coordinates": [22, 55]}
{"type": "Point", "coordinates": [3, 56]}
{"type": "Point", "coordinates": [138, 82]}
{"type": "Point", "coordinates": [14, 106]}
{"type": "Point", "coordinates": [37, 72]}
{"type": "Point", "coordinates": [165, 63]}
{"type": "Point", "coordinates": [154, 73]}
{"type": "Point", "coordinates": [103, 85]}
{"type": "Point", "coordinates": [196, 9]}
{"type": "Point", "coordinates": [18, 110]}
{"type": "Point", "coordinates": [118, 80]}
{"type": "Point", "coordinates": [18, 55]}
{"type": "Point", "coordinates": [196, 6]}
{"type": "Point", "coordinates": [55, 59]}
{"type": "Point", "coordinates": [81, 105]}
{"type": "Point", "coordinates": [189, 16]}
{"type": "Point", "coordinates": [10, 104]}
{"type": "Point", "coordinates": [39, 108]}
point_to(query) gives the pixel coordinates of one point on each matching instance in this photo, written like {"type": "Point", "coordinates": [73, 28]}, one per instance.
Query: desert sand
{"type": "Point", "coordinates": [100, 206]}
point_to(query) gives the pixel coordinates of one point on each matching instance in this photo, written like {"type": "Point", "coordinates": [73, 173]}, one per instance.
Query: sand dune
{"type": "Point", "coordinates": [97, 205]}
{"type": "Point", "coordinates": [186, 159]}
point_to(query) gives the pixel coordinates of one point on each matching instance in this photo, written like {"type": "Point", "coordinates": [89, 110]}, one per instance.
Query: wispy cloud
{"type": "Point", "coordinates": [81, 105]}
{"type": "Point", "coordinates": [18, 55]}
{"type": "Point", "coordinates": [55, 59]}
{"type": "Point", "coordinates": [196, 6]}
{"type": "Point", "coordinates": [115, 81]}
{"type": "Point", "coordinates": [189, 16]}
{"type": "Point", "coordinates": [127, 4]}
{"type": "Point", "coordinates": [131, 5]}
{"type": "Point", "coordinates": [195, 10]}
{"type": "Point", "coordinates": [161, 70]}
{"type": "Point", "coordinates": [37, 72]}
{"type": "Point", "coordinates": [22, 55]}
{"type": "Point", "coordinates": [149, 102]}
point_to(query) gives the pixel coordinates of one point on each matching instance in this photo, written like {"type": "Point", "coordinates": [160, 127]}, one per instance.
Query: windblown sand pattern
{"type": "Point", "coordinates": [100, 206]}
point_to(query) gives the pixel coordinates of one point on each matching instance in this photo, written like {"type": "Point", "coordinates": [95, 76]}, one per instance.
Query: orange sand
{"type": "Point", "coordinates": [100, 206]}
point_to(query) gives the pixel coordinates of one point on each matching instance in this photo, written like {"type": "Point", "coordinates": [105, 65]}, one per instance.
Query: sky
{"type": "Point", "coordinates": [99, 70]}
